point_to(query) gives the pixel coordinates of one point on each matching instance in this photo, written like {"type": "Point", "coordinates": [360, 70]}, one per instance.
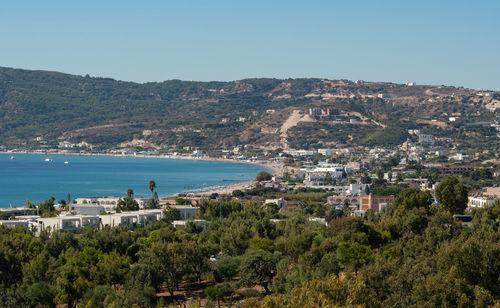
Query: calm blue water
{"type": "Point", "coordinates": [30, 177]}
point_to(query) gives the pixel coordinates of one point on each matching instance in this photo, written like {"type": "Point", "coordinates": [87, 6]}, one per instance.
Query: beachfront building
{"type": "Point", "coordinates": [6, 213]}
{"type": "Point", "coordinates": [109, 202]}
{"type": "Point", "coordinates": [68, 223]}
{"type": "Point", "coordinates": [73, 223]}
{"type": "Point", "coordinates": [122, 219]}
{"type": "Point", "coordinates": [130, 219]}
{"type": "Point", "coordinates": [14, 223]}
{"type": "Point", "coordinates": [186, 211]}
{"type": "Point", "coordinates": [87, 209]}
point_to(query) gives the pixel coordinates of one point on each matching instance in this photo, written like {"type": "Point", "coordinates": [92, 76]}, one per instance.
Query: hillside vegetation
{"type": "Point", "coordinates": [106, 113]}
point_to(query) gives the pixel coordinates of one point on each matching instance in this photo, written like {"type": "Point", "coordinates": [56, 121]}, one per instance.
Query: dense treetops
{"type": "Point", "coordinates": [412, 254]}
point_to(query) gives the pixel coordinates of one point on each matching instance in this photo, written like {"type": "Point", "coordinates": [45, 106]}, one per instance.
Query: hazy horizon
{"type": "Point", "coordinates": [446, 43]}
{"type": "Point", "coordinates": [252, 77]}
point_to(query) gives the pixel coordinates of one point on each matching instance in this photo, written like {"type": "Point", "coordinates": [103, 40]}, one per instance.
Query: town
{"type": "Point", "coordinates": [356, 179]}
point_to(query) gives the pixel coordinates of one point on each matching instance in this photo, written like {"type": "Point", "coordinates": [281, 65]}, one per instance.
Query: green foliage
{"type": "Point", "coordinates": [412, 198]}
{"type": "Point", "coordinates": [41, 293]}
{"type": "Point", "coordinates": [106, 112]}
{"type": "Point", "coordinates": [219, 290]}
{"type": "Point", "coordinates": [354, 254]}
{"type": "Point", "coordinates": [238, 193]}
{"type": "Point", "coordinates": [386, 190]}
{"type": "Point", "coordinates": [170, 214]}
{"type": "Point", "coordinates": [265, 243]}
{"type": "Point", "coordinates": [452, 195]}
{"type": "Point", "coordinates": [332, 292]}
{"type": "Point", "coordinates": [410, 254]}
{"type": "Point", "coordinates": [263, 176]}
{"type": "Point", "coordinates": [182, 201]}
{"type": "Point", "coordinates": [127, 204]}
{"type": "Point", "coordinates": [390, 135]}
{"type": "Point", "coordinates": [248, 293]}
{"type": "Point", "coordinates": [257, 267]}
{"type": "Point", "coordinates": [46, 208]}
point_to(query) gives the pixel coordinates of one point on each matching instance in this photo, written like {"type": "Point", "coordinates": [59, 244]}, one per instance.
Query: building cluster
{"type": "Point", "coordinates": [89, 215]}
{"type": "Point", "coordinates": [485, 198]}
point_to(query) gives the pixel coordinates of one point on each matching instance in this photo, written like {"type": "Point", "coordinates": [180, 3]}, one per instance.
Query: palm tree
{"type": "Point", "coordinates": [152, 186]}
{"type": "Point", "coordinates": [130, 192]}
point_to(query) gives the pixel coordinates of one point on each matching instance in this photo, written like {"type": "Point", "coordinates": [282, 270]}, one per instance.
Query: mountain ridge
{"type": "Point", "coordinates": [52, 106]}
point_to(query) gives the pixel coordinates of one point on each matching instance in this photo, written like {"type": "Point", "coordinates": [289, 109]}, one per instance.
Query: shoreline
{"type": "Point", "coordinates": [265, 164]}
{"type": "Point", "coordinates": [220, 189]}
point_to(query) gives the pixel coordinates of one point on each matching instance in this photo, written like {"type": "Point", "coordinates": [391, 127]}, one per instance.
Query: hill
{"type": "Point", "coordinates": [41, 108]}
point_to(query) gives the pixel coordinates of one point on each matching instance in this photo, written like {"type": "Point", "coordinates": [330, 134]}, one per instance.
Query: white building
{"type": "Point", "coordinates": [353, 165]}
{"type": "Point", "coordinates": [319, 220]}
{"type": "Point", "coordinates": [281, 203]}
{"type": "Point", "coordinates": [186, 211]}
{"type": "Point", "coordinates": [300, 152]}
{"type": "Point", "coordinates": [109, 203]}
{"type": "Point", "coordinates": [475, 202]}
{"type": "Point", "coordinates": [423, 138]}
{"type": "Point", "coordinates": [315, 111]}
{"type": "Point", "coordinates": [65, 145]}
{"type": "Point", "coordinates": [14, 223]}
{"type": "Point", "coordinates": [87, 209]}
{"type": "Point", "coordinates": [130, 219]}
{"type": "Point", "coordinates": [356, 189]}
{"type": "Point", "coordinates": [200, 222]}
{"type": "Point", "coordinates": [326, 152]}
{"type": "Point", "coordinates": [68, 223]}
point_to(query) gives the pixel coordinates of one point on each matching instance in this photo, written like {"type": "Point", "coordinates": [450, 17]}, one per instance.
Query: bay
{"type": "Point", "coordinates": [29, 176]}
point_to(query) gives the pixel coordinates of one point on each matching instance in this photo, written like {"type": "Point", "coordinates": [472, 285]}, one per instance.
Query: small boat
{"type": "Point", "coordinates": [48, 159]}
{"type": "Point", "coordinates": [66, 162]}
{"type": "Point", "coordinates": [12, 158]}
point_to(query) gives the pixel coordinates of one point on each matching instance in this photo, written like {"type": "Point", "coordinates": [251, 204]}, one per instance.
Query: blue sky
{"type": "Point", "coordinates": [429, 42]}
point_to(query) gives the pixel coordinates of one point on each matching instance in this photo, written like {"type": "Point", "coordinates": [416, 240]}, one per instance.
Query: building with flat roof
{"type": "Point", "coordinates": [68, 223]}
{"type": "Point", "coordinates": [493, 192]}
{"type": "Point", "coordinates": [374, 203]}
{"type": "Point", "coordinates": [281, 203]}
{"type": "Point", "coordinates": [200, 222]}
{"type": "Point", "coordinates": [478, 202]}
{"type": "Point", "coordinates": [87, 209]}
{"type": "Point", "coordinates": [14, 223]}
{"type": "Point", "coordinates": [17, 211]}
{"type": "Point", "coordinates": [109, 202]}
{"type": "Point", "coordinates": [340, 200]}
{"type": "Point", "coordinates": [186, 211]}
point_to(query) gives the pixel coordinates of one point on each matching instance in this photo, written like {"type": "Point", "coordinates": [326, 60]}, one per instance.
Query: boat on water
{"type": "Point", "coordinates": [66, 162]}
{"type": "Point", "coordinates": [48, 159]}
{"type": "Point", "coordinates": [12, 158]}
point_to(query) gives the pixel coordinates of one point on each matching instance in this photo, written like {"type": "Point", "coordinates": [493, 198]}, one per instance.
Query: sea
{"type": "Point", "coordinates": [38, 177]}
